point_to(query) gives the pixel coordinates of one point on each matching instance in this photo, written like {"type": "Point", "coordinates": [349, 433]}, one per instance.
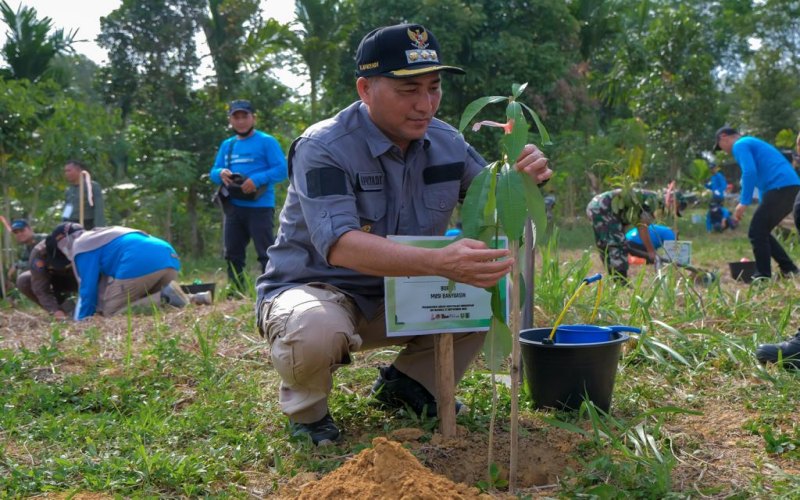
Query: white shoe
{"type": "Point", "coordinates": [174, 295]}
{"type": "Point", "coordinates": [201, 299]}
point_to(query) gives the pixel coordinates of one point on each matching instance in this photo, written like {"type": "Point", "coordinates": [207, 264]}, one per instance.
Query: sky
{"type": "Point", "coordinates": [85, 16]}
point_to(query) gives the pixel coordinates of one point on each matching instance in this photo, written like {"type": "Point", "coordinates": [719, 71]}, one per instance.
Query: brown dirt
{"type": "Point", "coordinates": [387, 470]}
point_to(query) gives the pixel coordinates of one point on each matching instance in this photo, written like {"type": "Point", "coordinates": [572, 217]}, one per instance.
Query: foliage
{"type": "Point", "coordinates": [32, 43]}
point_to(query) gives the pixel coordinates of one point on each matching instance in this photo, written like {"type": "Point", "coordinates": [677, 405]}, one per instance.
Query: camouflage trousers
{"type": "Point", "coordinates": [609, 236]}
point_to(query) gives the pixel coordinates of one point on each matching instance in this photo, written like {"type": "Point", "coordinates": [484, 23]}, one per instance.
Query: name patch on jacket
{"type": "Point", "coordinates": [443, 173]}
{"type": "Point", "coordinates": [370, 181]}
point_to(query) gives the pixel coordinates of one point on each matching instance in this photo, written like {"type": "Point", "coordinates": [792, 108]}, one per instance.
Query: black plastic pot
{"type": "Point", "coordinates": [560, 375]}
{"type": "Point", "coordinates": [742, 271]}
{"type": "Point", "coordinates": [200, 287]}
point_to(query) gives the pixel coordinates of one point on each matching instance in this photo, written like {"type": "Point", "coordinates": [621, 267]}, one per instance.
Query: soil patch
{"type": "Point", "coordinates": [387, 470]}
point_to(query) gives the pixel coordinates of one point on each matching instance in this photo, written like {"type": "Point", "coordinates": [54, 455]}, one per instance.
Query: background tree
{"type": "Point", "coordinates": [226, 28]}
{"type": "Point", "coordinates": [31, 43]}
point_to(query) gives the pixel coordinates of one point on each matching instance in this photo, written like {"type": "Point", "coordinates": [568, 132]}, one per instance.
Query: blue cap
{"type": "Point", "coordinates": [18, 224]}
{"type": "Point", "coordinates": [240, 105]}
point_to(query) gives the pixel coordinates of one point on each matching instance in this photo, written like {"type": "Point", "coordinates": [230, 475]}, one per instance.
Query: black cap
{"type": "Point", "coordinates": [400, 51]}
{"type": "Point", "coordinates": [55, 257]}
{"type": "Point", "coordinates": [726, 130]}
{"type": "Point", "coordinates": [18, 224]}
{"type": "Point", "coordinates": [240, 105]}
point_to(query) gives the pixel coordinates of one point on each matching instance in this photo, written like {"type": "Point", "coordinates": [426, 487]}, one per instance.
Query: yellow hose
{"type": "Point", "coordinates": [586, 281]}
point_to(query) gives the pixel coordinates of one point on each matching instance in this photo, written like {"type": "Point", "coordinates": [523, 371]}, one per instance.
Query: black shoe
{"type": "Point", "coordinates": [789, 351]}
{"type": "Point", "coordinates": [322, 432]}
{"type": "Point", "coordinates": [395, 389]}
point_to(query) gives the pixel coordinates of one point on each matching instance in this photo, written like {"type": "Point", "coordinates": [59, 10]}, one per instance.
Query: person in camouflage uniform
{"type": "Point", "coordinates": [610, 213]}
{"type": "Point", "coordinates": [27, 239]}
{"type": "Point", "coordinates": [50, 282]}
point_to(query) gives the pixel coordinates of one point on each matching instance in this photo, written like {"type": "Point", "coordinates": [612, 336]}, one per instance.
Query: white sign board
{"type": "Point", "coordinates": [431, 304]}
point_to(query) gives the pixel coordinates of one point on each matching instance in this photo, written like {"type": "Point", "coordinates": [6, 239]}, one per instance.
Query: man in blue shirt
{"type": "Point", "coordinates": [765, 168]}
{"type": "Point", "coordinates": [717, 184]}
{"type": "Point", "coordinates": [115, 266]}
{"type": "Point", "coordinates": [247, 167]}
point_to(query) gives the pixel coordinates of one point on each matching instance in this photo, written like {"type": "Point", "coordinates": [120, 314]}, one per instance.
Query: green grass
{"type": "Point", "coordinates": [188, 408]}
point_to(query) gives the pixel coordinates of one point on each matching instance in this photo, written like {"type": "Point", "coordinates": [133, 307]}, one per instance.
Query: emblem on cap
{"type": "Point", "coordinates": [419, 39]}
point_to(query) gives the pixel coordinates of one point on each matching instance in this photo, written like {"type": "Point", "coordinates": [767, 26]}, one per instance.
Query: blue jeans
{"type": "Point", "coordinates": [241, 225]}
{"type": "Point", "coordinates": [775, 205]}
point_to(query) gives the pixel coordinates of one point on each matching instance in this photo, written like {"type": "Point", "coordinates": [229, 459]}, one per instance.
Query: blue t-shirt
{"type": "Point", "coordinates": [658, 235]}
{"type": "Point", "coordinates": [258, 157]}
{"type": "Point", "coordinates": [718, 185]}
{"type": "Point", "coordinates": [763, 167]}
{"type": "Point", "coordinates": [129, 256]}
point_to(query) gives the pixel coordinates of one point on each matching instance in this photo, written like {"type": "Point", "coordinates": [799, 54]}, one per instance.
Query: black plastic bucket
{"type": "Point", "coordinates": [559, 375]}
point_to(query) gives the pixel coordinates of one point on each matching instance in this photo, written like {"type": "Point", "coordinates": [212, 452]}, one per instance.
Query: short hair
{"type": "Point", "coordinates": [77, 163]}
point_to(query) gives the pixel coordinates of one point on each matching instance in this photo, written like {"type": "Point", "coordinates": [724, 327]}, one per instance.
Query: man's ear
{"type": "Point", "coordinates": [363, 86]}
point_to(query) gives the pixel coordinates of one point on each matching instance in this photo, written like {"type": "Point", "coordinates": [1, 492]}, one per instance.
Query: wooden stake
{"type": "Point", "coordinates": [81, 180]}
{"type": "Point", "coordinates": [445, 384]}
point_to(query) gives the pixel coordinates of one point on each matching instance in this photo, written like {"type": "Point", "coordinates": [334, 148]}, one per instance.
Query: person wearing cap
{"type": "Point", "coordinates": [93, 206]}
{"type": "Point", "coordinates": [247, 168]}
{"type": "Point", "coordinates": [765, 168]}
{"type": "Point", "coordinates": [116, 267]}
{"type": "Point", "coordinates": [718, 184]}
{"type": "Point", "coordinates": [610, 213]}
{"type": "Point", "coordinates": [26, 239]}
{"type": "Point", "coordinates": [382, 166]}
{"type": "Point", "coordinates": [50, 282]}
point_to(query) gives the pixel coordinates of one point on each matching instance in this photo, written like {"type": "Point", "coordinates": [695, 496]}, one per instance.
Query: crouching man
{"type": "Point", "coordinates": [116, 267]}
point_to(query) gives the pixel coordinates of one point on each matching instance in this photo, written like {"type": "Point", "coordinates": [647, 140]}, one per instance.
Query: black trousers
{"type": "Point", "coordinates": [241, 225]}
{"type": "Point", "coordinates": [775, 205]}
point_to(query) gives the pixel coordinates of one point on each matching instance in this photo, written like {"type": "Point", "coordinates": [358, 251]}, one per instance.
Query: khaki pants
{"type": "Point", "coordinates": [114, 295]}
{"type": "Point", "coordinates": [313, 329]}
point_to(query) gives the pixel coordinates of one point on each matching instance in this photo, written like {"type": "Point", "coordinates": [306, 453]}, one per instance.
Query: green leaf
{"type": "Point", "coordinates": [475, 107]}
{"type": "Point", "coordinates": [535, 203]}
{"type": "Point", "coordinates": [475, 201]}
{"type": "Point", "coordinates": [490, 206]}
{"type": "Point", "coordinates": [498, 311]}
{"type": "Point", "coordinates": [516, 140]}
{"type": "Point", "coordinates": [539, 125]}
{"type": "Point", "coordinates": [497, 346]}
{"type": "Point", "coordinates": [511, 209]}
{"type": "Point", "coordinates": [517, 89]}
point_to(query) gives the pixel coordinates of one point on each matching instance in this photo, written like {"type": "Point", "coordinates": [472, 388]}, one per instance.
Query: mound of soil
{"type": "Point", "coordinates": [387, 470]}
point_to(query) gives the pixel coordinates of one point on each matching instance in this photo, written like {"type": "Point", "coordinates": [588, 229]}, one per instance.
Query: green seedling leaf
{"type": "Point", "coordinates": [511, 209]}
{"type": "Point", "coordinates": [517, 89]}
{"type": "Point", "coordinates": [539, 126]}
{"type": "Point", "coordinates": [475, 107]}
{"type": "Point", "coordinates": [516, 140]}
{"type": "Point", "coordinates": [472, 210]}
{"type": "Point", "coordinates": [497, 302]}
{"type": "Point", "coordinates": [534, 202]}
{"type": "Point", "coordinates": [497, 346]}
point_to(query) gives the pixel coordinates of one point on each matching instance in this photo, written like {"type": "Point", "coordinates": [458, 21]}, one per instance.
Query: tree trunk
{"type": "Point", "coordinates": [195, 240]}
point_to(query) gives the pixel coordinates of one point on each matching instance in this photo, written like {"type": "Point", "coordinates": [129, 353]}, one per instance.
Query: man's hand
{"type": "Point", "coordinates": [533, 162]}
{"type": "Point", "coordinates": [248, 186]}
{"type": "Point", "coordinates": [472, 262]}
{"type": "Point", "coordinates": [738, 212]}
{"type": "Point", "coordinates": [225, 175]}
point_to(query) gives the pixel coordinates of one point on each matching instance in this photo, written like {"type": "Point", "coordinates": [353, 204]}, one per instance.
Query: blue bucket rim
{"type": "Point", "coordinates": [619, 337]}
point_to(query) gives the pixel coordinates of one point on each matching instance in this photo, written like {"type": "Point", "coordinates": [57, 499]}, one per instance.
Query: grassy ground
{"type": "Point", "coordinates": [183, 403]}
